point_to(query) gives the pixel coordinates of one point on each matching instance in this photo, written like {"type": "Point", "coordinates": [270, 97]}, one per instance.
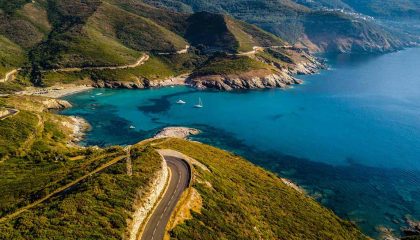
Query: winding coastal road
{"type": "Point", "coordinates": [139, 62]}
{"type": "Point", "coordinates": [179, 181]}
{"type": "Point", "coordinates": [9, 75]}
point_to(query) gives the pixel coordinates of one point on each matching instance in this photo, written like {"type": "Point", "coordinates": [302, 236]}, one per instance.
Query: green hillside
{"type": "Point", "coordinates": [225, 65]}
{"type": "Point", "coordinates": [11, 55]}
{"type": "Point", "coordinates": [72, 192]}
{"type": "Point", "coordinates": [296, 24]}
{"type": "Point", "coordinates": [220, 32]}
{"type": "Point", "coordinates": [23, 23]}
{"type": "Point", "coordinates": [36, 160]}
{"type": "Point", "coordinates": [251, 203]}
{"type": "Point", "coordinates": [77, 36]}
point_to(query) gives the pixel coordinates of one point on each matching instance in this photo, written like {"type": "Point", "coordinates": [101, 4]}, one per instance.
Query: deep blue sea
{"type": "Point", "coordinates": [349, 135]}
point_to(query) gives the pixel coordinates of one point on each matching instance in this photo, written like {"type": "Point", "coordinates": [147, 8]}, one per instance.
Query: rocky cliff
{"type": "Point", "coordinates": [248, 80]}
{"type": "Point", "coordinates": [269, 68]}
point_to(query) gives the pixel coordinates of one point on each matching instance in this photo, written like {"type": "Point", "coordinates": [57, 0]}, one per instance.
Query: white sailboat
{"type": "Point", "coordinates": [200, 104]}
{"type": "Point", "coordinates": [132, 127]}
{"type": "Point", "coordinates": [180, 102]}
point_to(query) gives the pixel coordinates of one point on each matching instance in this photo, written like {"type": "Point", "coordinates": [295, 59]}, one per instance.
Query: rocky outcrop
{"type": "Point", "coordinates": [413, 228]}
{"type": "Point", "coordinates": [56, 104]}
{"type": "Point", "coordinates": [78, 127]}
{"type": "Point", "coordinates": [142, 83]}
{"type": "Point", "coordinates": [249, 80]}
{"type": "Point", "coordinates": [290, 62]}
{"type": "Point", "coordinates": [177, 132]}
{"type": "Point", "coordinates": [3, 112]}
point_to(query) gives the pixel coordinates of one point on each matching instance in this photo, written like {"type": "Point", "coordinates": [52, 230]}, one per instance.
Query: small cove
{"type": "Point", "coordinates": [350, 135]}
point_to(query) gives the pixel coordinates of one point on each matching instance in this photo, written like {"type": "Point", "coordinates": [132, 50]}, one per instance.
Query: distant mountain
{"type": "Point", "coordinates": [318, 29]}
{"type": "Point", "coordinates": [376, 8]}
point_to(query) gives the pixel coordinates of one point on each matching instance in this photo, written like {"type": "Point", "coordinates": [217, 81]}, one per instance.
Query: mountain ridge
{"type": "Point", "coordinates": [292, 21]}
{"type": "Point", "coordinates": [94, 34]}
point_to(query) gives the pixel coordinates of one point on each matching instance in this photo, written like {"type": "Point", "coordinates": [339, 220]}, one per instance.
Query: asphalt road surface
{"type": "Point", "coordinates": [180, 179]}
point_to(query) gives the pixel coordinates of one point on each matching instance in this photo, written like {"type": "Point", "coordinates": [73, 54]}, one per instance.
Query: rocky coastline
{"type": "Point", "coordinates": [143, 84]}
{"type": "Point", "coordinates": [255, 79]}
{"type": "Point", "coordinates": [56, 104]}
{"type": "Point", "coordinates": [176, 132]}
{"type": "Point", "coordinates": [244, 81]}
{"type": "Point", "coordinates": [278, 77]}
{"type": "Point", "coordinates": [79, 127]}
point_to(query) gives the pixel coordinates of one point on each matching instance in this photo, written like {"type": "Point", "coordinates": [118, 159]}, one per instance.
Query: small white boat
{"type": "Point", "coordinates": [132, 127]}
{"type": "Point", "coordinates": [200, 104]}
{"type": "Point", "coordinates": [180, 102]}
{"type": "Point", "coordinates": [99, 94]}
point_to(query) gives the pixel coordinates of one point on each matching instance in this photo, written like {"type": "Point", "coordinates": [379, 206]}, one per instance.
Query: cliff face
{"type": "Point", "coordinates": [249, 80]}
{"type": "Point", "coordinates": [142, 83]}
{"type": "Point", "coordinates": [356, 35]}
{"type": "Point", "coordinates": [284, 65]}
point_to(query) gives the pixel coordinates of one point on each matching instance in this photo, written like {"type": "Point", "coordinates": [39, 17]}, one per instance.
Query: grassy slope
{"type": "Point", "coordinates": [220, 32]}
{"type": "Point", "coordinates": [33, 152]}
{"type": "Point", "coordinates": [210, 31]}
{"type": "Point", "coordinates": [248, 35]}
{"type": "Point", "coordinates": [85, 42]}
{"type": "Point", "coordinates": [36, 14]}
{"type": "Point", "coordinates": [173, 21]}
{"type": "Point", "coordinates": [242, 201]}
{"type": "Point", "coordinates": [116, 32]}
{"type": "Point", "coordinates": [36, 160]}
{"type": "Point", "coordinates": [253, 203]}
{"type": "Point", "coordinates": [291, 21]}
{"type": "Point", "coordinates": [95, 209]}
{"type": "Point", "coordinates": [106, 36]}
{"type": "Point", "coordinates": [140, 33]}
{"type": "Point", "coordinates": [153, 69]}
{"type": "Point", "coordinates": [156, 68]}
{"type": "Point", "coordinates": [20, 29]}
{"type": "Point", "coordinates": [11, 55]}
{"type": "Point", "coordinates": [229, 65]}
{"type": "Point", "coordinates": [278, 17]}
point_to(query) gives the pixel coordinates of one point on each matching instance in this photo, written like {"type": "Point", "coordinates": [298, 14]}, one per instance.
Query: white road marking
{"type": "Point", "coordinates": [175, 192]}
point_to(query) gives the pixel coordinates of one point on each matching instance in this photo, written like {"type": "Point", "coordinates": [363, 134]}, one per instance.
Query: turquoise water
{"type": "Point", "coordinates": [349, 135]}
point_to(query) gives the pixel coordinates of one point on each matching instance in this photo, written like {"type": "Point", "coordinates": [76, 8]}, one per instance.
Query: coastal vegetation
{"type": "Point", "coordinates": [76, 192]}
{"type": "Point", "coordinates": [37, 161]}
{"type": "Point", "coordinates": [96, 208]}
{"type": "Point", "coordinates": [251, 203]}
{"type": "Point", "coordinates": [155, 68]}
{"type": "Point", "coordinates": [225, 65]}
